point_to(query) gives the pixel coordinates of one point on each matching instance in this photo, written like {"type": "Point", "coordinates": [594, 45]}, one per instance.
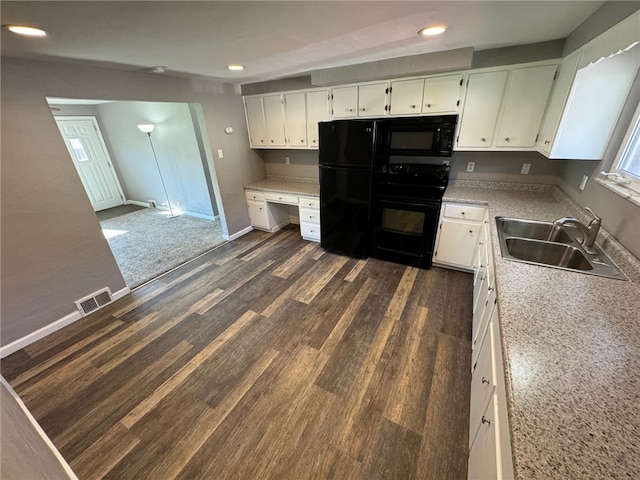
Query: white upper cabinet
{"type": "Point", "coordinates": [372, 99]}
{"type": "Point", "coordinates": [255, 122]}
{"type": "Point", "coordinates": [406, 96]}
{"type": "Point", "coordinates": [317, 111]}
{"type": "Point", "coordinates": [344, 102]}
{"type": "Point", "coordinates": [295, 115]}
{"type": "Point", "coordinates": [481, 108]}
{"type": "Point", "coordinates": [274, 120]}
{"type": "Point", "coordinates": [606, 70]}
{"type": "Point", "coordinates": [524, 106]}
{"type": "Point", "coordinates": [367, 100]}
{"type": "Point", "coordinates": [556, 103]}
{"type": "Point", "coordinates": [442, 94]}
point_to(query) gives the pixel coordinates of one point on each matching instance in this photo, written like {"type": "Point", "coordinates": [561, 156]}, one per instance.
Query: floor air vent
{"type": "Point", "coordinates": [94, 301]}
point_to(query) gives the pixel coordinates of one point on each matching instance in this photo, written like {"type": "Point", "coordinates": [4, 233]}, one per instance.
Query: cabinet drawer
{"type": "Point", "coordinates": [309, 215]}
{"type": "Point", "coordinates": [309, 202]}
{"type": "Point", "coordinates": [483, 385]}
{"type": "Point", "coordinates": [467, 212]}
{"type": "Point", "coordinates": [309, 230]}
{"type": "Point", "coordinates": [281, 198]}
{"type": "Point", "coordinates": [254, 196]}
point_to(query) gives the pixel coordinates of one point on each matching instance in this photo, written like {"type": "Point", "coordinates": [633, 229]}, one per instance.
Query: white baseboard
{"type": "Point", "coordinates": [49, 329]}
{"type": "Point", "coordinates": [140, 204]}
{"type": "Point", "coordinates": [242, 232]}
{"type": "Point", "coordinates": [199, 215]}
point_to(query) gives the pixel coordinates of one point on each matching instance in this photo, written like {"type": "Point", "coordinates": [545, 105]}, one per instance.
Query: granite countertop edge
{"type": "Point", "coordinates": [283, 184]}
{"type": "Point", "coordinates": [563, 334]}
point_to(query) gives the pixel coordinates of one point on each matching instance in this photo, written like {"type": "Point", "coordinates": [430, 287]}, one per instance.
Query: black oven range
{"type": "Point", "coordinates": [405, 207]}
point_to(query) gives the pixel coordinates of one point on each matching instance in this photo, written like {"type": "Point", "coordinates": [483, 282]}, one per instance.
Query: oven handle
{"type": "Point", "coordinates": [400, 202]}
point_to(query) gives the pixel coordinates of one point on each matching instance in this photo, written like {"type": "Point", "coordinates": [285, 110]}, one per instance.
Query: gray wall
{"type": "Point", "coordinates": [24, 453]}
{"type": "Point", "coordinates": [53, 251]}
{"type": "Point", "coordinates": [176, 147]}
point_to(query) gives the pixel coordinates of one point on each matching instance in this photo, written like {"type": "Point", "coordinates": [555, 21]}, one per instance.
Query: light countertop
{"type": "Point", "coordinates": [293, 185]}
{"type": "Point", "coordinates": [571, 346]}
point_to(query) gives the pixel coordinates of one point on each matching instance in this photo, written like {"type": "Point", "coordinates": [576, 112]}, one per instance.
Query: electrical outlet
{"type": "Point", "coordinates": [152, 203]}
{"type": "Point", "coordinates": [220, 153]}
{"type": "Point", "coordinates": [446, 163]}
{"type": "Point", "coordinates": [471, 166]}
{"type": "Point", "coordinates": [525, 169]}
{"type": "Point", "coordinates": [287, 160]}
{"type": "Point", "coordinates": [583, 183]}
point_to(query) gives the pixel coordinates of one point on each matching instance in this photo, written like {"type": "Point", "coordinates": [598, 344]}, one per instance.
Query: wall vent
{"type": "Point", "coordinates": [94, 301]}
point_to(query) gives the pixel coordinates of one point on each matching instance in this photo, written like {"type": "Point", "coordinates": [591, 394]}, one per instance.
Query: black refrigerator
{"type": "Point", "coordinates": [346, 161]}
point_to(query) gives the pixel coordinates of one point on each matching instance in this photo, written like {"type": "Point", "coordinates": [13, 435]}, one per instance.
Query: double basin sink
{"type": "Point", "coordinates": [550, 245]}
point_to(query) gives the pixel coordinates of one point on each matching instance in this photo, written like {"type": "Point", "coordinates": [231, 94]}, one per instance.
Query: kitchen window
{"type": "Point", "coordinates": [624, 176]}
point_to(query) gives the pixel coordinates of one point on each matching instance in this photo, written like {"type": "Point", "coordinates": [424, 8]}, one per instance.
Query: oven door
{"type": "Point", "coordinates": [404, 231]}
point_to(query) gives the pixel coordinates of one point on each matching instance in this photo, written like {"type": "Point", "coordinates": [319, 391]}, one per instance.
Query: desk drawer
{"type": "Point", "coordinates": [309, 230]}
{"type": "Point", "coordinates": [309, 202]}
{"type": "Point", "coordinates": [466, 212]}
{"type": "Point", "coordinates": [308, 215]}
{"type": "Point", "coordinates": [254, 196]}
{"type": "Point", "coordinates": [281, 198]}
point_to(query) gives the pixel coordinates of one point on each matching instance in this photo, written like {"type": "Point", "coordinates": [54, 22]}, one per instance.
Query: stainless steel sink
{"type": "Point", "coordinates": [533, 230]}
{"type": "Point", "coordinates": [549, 245]}
{"type": "Point", "coordinates": [547, 253]}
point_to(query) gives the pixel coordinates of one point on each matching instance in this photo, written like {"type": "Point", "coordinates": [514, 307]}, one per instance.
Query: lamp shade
{"type": "Point", "coordinates": [147, 127]}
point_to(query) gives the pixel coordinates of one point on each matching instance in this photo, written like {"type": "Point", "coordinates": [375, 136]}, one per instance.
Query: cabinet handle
{"type": "Point", "coordinates": [428, 105]}
{"type": "Point", "coordinates": [547, 142]}
{"type": "Point", "coordinates": [412, 106]}
{"type": "Point", "coordinates": [314, 141]}
{"type": "Point", "coordinates": [471, 231]}
{"type": "Point", "coordinates": [483, 139]}
{"type": "Point", "coordinates": [272, 141]}
{"type": "Point", "coordinates": [260, 208]}
{"type": "Point", "coordinates": [349, 109]}
{"type": "Point", "coordinates": [461, 213]}
{"type": "Point", "coordinates": [484, 420]}
{"type": "Point", "coordinates": [507, 139]}
{"type": "Point", "coordinates": [261, 141]}
{"type": "Point", "coordinates": [302, 141]}
{"type": "Point", "coordinates": [363, 109]}
{"type": "Point", "coordinates": [484, 380]}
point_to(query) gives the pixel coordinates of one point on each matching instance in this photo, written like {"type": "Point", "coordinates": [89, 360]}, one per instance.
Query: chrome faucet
{"type": "Point", "coordinates": [589, 232]}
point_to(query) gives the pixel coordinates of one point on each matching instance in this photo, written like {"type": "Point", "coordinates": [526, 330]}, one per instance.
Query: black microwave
{"type": "Point", "coordinates": [416, 136]}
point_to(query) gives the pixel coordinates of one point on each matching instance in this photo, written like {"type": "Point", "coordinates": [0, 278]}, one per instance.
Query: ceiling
{"type": "Point", "coordinates": [273, 39]}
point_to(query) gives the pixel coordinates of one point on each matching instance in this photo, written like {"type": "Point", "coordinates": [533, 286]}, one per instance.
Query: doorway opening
{"type": "Point", "coordinates": [155, 193]}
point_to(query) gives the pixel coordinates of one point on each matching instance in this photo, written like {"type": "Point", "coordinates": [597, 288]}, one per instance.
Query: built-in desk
{"type": "Point", "coordinates": [270, 205]}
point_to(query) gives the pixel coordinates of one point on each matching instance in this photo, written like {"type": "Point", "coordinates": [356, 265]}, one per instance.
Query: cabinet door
{"type": "Point", "coordinates": [406, 96]}
{"type": "Point", "coordinates": [372, 99]}
{"type": "Point", "coordinates": [442, 94]}
{"type": "Point", "coordinates": [525, 102]}
{"type": "Point", "coordinates": [258, 214]}
{"type": "Point", "coordinates": [317, 111]}
{"type": "Point", "coordinates": [344, 102]}
{"type": "Point", "coordinates": [484, 458]}
{"type": "Point", "coordinates": [255, 122]}
{"type": "Point", "coordinates": [483, 385]}
{"type": "Point", "coordinates": [296, 124]}
{"type": "Point", "coordinates": [274, 120]}
{"type": "Point", "coordinates": [457, 242]}
{"type": "Point", "coordinates": [557, 101]}
{"type": "Point", "coordinates": [481, 107]}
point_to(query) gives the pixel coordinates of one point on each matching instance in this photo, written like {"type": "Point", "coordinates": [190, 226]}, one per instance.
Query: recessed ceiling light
{"type": "Point", "coordinates": [235, 67]}
{"type": "Point", "coordinates": [26, 30]}
{"type": "Point", "coordinates": [432, 31]}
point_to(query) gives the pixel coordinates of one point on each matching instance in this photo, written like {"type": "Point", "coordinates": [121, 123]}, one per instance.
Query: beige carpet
{"type": "Point", "coordinates": [147, 243]}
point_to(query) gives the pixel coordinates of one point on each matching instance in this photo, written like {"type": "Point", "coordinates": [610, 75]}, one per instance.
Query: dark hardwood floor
{"type": "Point", "coordinates": [267, 358]}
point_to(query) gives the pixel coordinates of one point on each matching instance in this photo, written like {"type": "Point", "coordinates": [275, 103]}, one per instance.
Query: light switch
{"type": "Point", "coordinates": [220, 154]}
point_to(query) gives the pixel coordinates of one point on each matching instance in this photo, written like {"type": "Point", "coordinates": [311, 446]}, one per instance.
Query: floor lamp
{"type": "Point", "coordinates": [148, 128]}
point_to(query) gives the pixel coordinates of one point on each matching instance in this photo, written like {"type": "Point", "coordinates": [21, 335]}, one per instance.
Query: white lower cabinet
{"type": "Point", "coordinates": [489, 438]}
{"type": "Point", "coordinates": [309, 209]}
{"type": "Point", "coordinates": [271, 211]}
{"type": "Point", "coordinates": [458, 233]}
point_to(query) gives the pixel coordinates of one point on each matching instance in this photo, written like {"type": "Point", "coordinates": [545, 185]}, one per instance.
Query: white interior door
{"type": "Point", "coordinates": [87, 149]}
